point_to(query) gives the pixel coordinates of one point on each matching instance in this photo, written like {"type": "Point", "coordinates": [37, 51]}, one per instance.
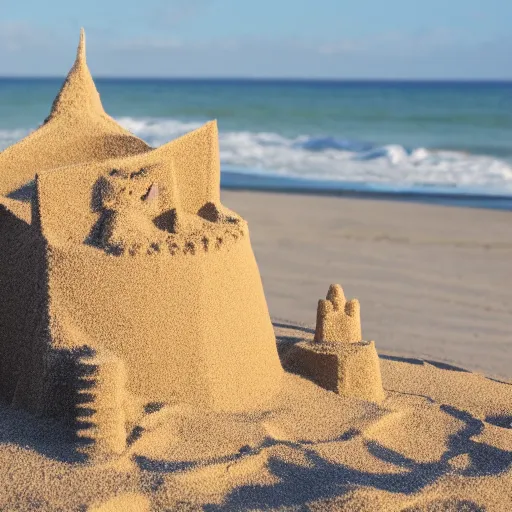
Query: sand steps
{"type": "Point", "coordinates": [100, 422]}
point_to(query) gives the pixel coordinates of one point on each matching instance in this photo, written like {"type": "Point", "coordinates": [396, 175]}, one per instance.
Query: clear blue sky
{"type": "Point", "coordinates": [268, 38]}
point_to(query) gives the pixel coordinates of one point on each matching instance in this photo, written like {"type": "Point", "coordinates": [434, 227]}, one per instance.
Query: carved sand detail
{"type": "Point", "coordinates": [134, 222]}
{"type": "Point", "coordinates": [100, 422]}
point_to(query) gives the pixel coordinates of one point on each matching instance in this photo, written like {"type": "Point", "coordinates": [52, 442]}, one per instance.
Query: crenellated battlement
{"type": "Point", "coordinates": [337, 319]}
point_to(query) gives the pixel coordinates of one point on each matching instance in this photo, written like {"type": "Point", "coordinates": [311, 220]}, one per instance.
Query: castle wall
{"type": "Point", "coordinates": [22, 298]}
{"type": "Point", "coordinates": [196, 165]}
{"type": "Point", "coordinates": [189, 327]}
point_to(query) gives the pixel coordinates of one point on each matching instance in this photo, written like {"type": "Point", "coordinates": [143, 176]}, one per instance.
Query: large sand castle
{"type": "Point", "coordinates": [132, 315]}
{"type": "Point", "coordinates": [126, 251]}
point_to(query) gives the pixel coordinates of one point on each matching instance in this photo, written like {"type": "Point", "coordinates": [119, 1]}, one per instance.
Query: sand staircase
{"type": "Point", "coordinates": [100, 423]}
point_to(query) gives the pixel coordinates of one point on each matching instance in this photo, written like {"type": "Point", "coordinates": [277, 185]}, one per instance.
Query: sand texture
{"type": "Point", "coordinates": [140, 370]}
{"type": "Point", "coordinates": [439, 441]}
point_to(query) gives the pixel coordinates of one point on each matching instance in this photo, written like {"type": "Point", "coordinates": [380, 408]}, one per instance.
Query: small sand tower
{"type": "Point", "coordinates": [338, 321]}
{"type": "Point", "coordinates": [128, 250]}
{"type": "Point", "coordinates": [337, 359]}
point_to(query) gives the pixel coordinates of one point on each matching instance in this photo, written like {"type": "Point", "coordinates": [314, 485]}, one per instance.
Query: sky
{"type": "Point", "coordinates": [339, 39]}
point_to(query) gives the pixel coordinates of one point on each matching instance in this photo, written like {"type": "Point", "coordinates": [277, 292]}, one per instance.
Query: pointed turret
{"type": "Point", "coordinates": [78, 95]}
{"type": "Point", "coordinates": [80, 51]}
{"type": "Point", "coordinates": [77, 130]}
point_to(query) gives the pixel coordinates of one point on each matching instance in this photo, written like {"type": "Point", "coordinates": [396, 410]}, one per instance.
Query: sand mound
{"type": "Point", "coordinates": [128, 502]}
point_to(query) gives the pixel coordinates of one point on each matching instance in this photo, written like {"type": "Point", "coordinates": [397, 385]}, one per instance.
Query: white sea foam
{"type": "Point", "coordinates": [333, 159]}
{"type": "Point", "coordinates": [8, 137]}
{"type": "Point", "coordinates": [329, 158]}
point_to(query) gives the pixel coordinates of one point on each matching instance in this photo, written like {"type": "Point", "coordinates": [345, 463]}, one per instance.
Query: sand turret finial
{"type": "Point", "coordinates": [336, 296]}
{"type": "Point", "coordinates": [80, 52]}
{"type": "Point", "coordinates": [78, 96]}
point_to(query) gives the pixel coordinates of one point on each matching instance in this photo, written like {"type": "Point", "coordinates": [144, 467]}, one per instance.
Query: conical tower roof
{"type": "Point", "coordinates": [77, 131]}
{"type": "Point", "coordinates": [78, 95]}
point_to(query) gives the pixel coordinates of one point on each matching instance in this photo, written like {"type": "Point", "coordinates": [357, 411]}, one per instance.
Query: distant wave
{"type": "Point", "coordinates": [342, 159]}
{"type": "Point", "coordinates": [333, 159]}
{"type": "Point", "coordinates": [8, 137]}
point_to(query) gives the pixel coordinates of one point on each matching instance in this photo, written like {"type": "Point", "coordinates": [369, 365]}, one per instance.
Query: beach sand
{"type": "Point", "coordinates": [162, 351]}
{"type": "Point", "coordinates": [438, 442]}
{"type": "Point", "coordinates": [433, 281]}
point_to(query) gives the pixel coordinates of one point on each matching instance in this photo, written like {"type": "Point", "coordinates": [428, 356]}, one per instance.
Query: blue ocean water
{"type": "Point", "coordinates": [413, 137]}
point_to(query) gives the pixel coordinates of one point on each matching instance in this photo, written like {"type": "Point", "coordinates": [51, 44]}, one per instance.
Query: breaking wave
{"type": "Point", "coordinates": [333, 159]}
{"type": "Point", "coordinates": [341, 159]}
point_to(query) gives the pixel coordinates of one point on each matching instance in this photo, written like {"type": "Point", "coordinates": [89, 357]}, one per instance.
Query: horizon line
{"type": "Point", "coordinates": [268, 78]}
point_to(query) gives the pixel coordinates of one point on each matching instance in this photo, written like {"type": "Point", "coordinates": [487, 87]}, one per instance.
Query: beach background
{"type": "Point", "coordinates": [424, 137]}
{"type": "Point", "coordinates": [433, 280]}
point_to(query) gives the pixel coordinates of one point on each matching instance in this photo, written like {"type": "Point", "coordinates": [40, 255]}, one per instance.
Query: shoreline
{"type": "Point", "coordinates": [430, 278]}
{"type": "Point", "coordinates": [240, 181]}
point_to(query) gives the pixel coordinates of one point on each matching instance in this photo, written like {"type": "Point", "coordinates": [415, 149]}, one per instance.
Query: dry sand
{"type": "Point", "coordinates": [438, 442]}
{"type": "Point", "coordinates": [179, 380]}
{"type": "Point", "coordinates": [433, 281]}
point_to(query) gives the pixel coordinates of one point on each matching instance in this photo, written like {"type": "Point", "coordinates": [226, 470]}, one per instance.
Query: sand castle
{"type": "Point", "coordinates": [132, 310]}
{"type": "Point", "coordinates": [337, 359]}
{"type": "Point", "coordinates": [137, 285]}
{"type": "Point", "coordinates": [111, 247]}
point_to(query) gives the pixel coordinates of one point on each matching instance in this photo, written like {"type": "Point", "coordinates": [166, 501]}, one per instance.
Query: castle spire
{"type": "Point", "coordinates": [80, 52]}
{"type": "Point", "coordinates": [78, 96]}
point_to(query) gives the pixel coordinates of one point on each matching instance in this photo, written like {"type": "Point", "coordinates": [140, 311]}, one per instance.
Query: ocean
{"type": "Point", "coordinates": [428, 139]}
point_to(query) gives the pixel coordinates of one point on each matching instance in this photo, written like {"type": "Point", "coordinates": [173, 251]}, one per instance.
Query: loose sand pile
{"type": "Point", "coordinates": [139, 369]}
